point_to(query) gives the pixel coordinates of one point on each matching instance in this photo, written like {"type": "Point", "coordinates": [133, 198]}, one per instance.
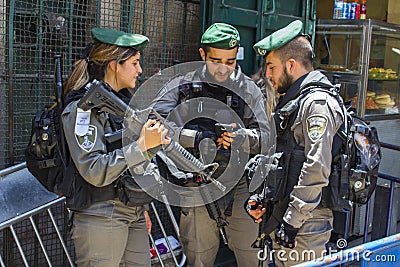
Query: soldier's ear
{"type": "Point", "coordinates": [291, 65]}
{"type": "Point", "coordinates": [113, 65]}
{"type": "Point", "coordinates": [202, 54]}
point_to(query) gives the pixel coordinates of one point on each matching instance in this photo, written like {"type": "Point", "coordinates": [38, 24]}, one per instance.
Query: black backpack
{"type": "Point", "coordinates": [354, 170]}
{"type": "Point", "coordinates": [46, 151]}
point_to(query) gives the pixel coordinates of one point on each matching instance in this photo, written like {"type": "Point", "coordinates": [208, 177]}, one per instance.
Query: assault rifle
{"type": "Point", "coordinates": [99, 95]}
{"type": "Point", "coordinates": [59, 92]}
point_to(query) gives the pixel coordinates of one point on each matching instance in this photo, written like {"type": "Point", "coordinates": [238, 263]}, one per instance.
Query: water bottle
{"type": "Point", "coordinates": [353, 10]}
{"type": "Point", "coordinates": [363, 9]}
{"type": "Point", "coordinates": [358, 8]}
{"type": "Point", "coordinates": [346, 10]}
{"type": "Point", "coordinates": [337, 9]}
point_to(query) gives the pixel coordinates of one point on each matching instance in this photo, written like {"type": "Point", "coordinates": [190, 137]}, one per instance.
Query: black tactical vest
{"type": "Point", "coordinates": [293, 156]}
{"type": "Point", "coordinates": [191, 89]}
{"type": "Point", "coordinates": [82, 194]}
{"type": "Point", "coordinates": [291, 161]}
{"type": "Point", "coordinates": [197, 91]}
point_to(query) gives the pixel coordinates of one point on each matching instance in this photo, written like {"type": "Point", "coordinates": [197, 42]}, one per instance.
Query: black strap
{"type": "Point", "coordinates": [229, 198]}
{"type": "Point", "coordinates": [47, 163]}
{"type": "Point", "coordinates": [292, 106]}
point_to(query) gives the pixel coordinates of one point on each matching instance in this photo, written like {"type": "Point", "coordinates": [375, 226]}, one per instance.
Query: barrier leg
{"type": "Point", "coordinates": [164, 233]}
{"type": "Point", "coordinates": [40, 241]}
{"type": "Point", "coordinates": [60, 237]}
{"type": "Point", "coordinates": [1, 262]}
{"type": "Point", "coordinates": [153, 243]}
{"type": "Point", "coordinates": [19, 246]}
{"type": "Point", "coordinates": [175, 225]}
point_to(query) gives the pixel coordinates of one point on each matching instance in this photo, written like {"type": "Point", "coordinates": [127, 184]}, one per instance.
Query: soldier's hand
{"type": "Point", "coordinates": [254, 208]}
{"type": "Point", "coordinates": [149, 224]}
{"type": "Point", "coordinates": [225, 140]}
{"type": "Point", "coordinates": [153, 134]}
{"type": "Point", "coordinates": [228, 138]}
{"type": "Point", "coordinates": [285, 235]}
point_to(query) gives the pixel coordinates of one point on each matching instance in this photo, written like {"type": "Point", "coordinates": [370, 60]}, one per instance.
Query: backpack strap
{"type": "Point", "coordinates": [185, 85]}
{"type": "Point", "coordinates": [293, 105]}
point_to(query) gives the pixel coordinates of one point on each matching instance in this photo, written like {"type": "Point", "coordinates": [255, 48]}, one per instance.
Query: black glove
{"type": "Point", "coordinates": [252, 203]}
{"type": "Point", "coordinates": [285, 235]}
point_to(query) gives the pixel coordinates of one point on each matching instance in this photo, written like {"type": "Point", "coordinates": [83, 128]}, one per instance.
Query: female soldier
{"type": "Point", "coordinates": [268, 91]}
{"type": "Point", "coordinates": [106, 232]}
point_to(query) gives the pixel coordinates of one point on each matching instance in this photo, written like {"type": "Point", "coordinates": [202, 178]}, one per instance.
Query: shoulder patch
{"type": "Point", "coordinates": [87, 141]}
{"type": "Point", "coordinates": [316, 126]}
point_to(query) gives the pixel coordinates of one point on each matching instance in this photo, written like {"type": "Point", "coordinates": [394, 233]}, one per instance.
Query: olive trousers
{"type": "Point", "coordinates": [108, 234]}
{"type": "Point", "coordinates": [312, 239]}
{"type": "Point", "coordinates": [200, 236]}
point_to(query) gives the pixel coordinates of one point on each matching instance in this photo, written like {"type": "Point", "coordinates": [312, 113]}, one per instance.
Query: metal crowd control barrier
{"type": "Point", "coordinates": [22, 196]}
{"type": "Point", "coordinates": [176, 228]}
{"type": "Point", "coordinates": [382, 251]}
{"type": "Point", "coordinates": [392, 180]}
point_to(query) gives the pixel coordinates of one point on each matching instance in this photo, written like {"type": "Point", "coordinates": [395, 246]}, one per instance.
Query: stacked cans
{"type": "Point", "coordinates": [345, 10]}
{"type": "Point", "coordinates": [355, 10]}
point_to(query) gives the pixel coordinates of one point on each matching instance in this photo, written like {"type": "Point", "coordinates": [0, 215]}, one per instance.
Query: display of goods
{"type": "Point", "coordinates": [381, 73]}
{"type": "Point", "coordinates": [375, 101]}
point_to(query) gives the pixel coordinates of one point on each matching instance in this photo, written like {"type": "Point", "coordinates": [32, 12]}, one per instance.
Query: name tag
{"type": "Point", "coordinates": [82, 122]}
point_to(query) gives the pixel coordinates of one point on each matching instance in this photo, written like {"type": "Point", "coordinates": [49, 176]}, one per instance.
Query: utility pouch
{"type": "Point", "coordinates": [362, 184]}
{"type": "Point", "coordinates": [335, 196]}
{"type": "Point", "coordinates": [297, 159]}
{"type": "Point", "coordinates": [277, 179]}
{"type": "Point", "coordinates": [130, 193]}
{"type": "Point", "coordinates": [280, 183]}
{"type": "Point", "coordinates": [76, 189]}
{"type": "Point", "coordinates": [80, 194]}
{"type": "Point", "coordinates": [43, 155]}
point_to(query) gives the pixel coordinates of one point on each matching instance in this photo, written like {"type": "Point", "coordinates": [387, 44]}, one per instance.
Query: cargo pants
{"type": "Point", "coordinates": [109, 233]}
{"type": "Point", "coordinates": [200, 236]}
{"type": "Point", "coordinates": [312, 239]}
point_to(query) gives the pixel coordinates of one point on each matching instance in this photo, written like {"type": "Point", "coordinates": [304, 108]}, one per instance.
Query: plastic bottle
{"type": "Point", "coordinates": [363, 9]}
{"type": "Point", "coordinates": [337, 9]}
{"type": "Point", "coordinates": [353, 10]}
{"type": "Point", "coordinates": [358, 8]}
{"type": "Point", "coordinates": [346, 10]}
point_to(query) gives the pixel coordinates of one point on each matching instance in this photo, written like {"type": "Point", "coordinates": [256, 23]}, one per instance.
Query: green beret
{"type": "Point", "coordinates": [279, 38]}
{"type": "Point", "coordinates": [120, 38]}
{"type": "Point", "coordinates": [221, 35]}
